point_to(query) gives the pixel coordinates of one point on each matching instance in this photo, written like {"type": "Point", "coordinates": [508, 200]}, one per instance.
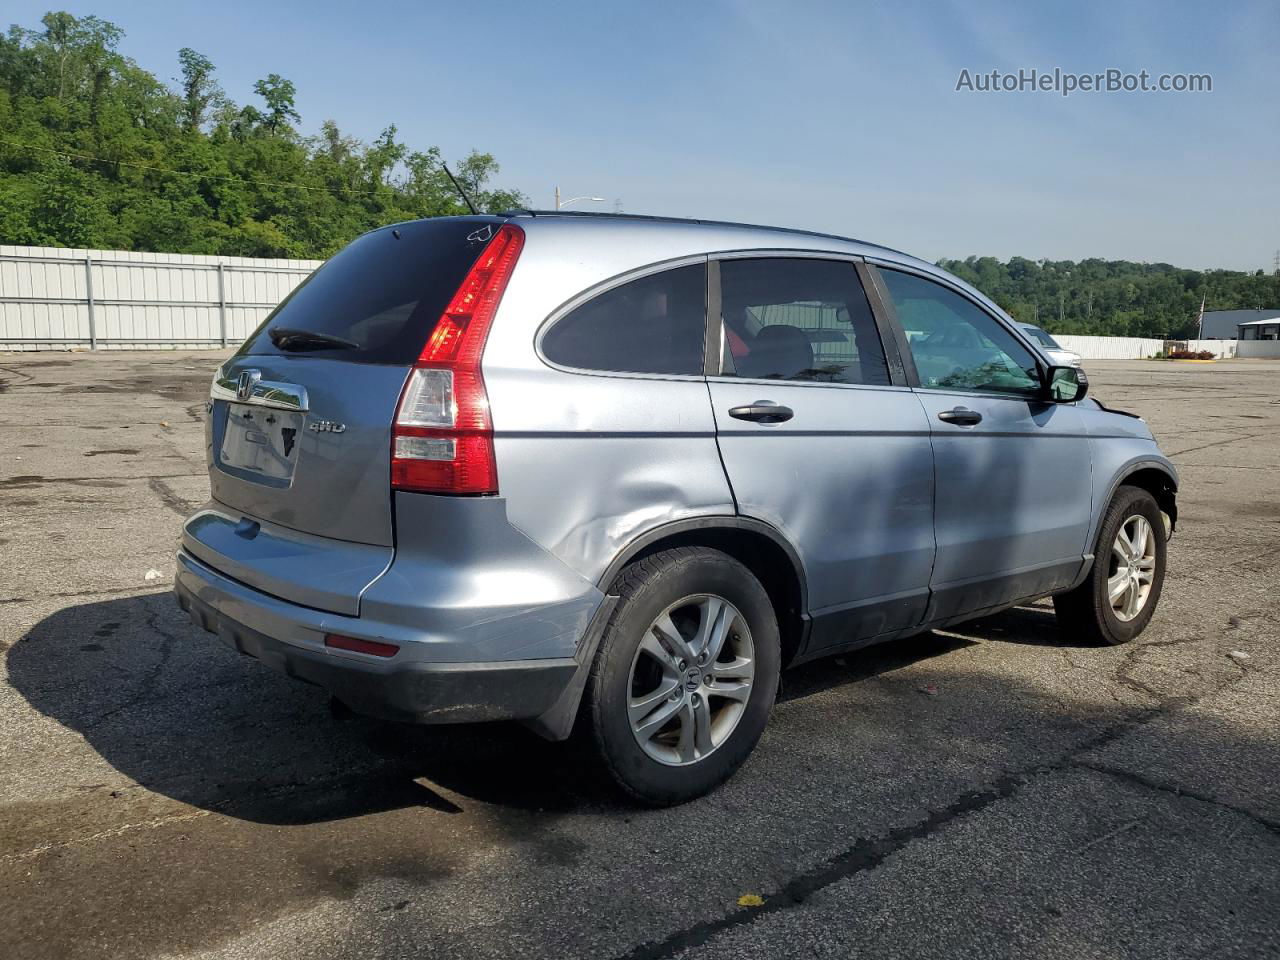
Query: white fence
{"type": "Point", "coordinates": [1136, 348]}
{"type": "Point", "coordinates": [1109, 348]}
{"type": "Point", "coordinates": [56, 298]}
{"type": "Point", "coordinates": [1259, 349]}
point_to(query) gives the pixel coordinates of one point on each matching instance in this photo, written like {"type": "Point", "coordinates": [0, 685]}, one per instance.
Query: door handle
{"type": "Point", "coordinates": [762, 411]}
{"type": "Point", "coordinates": [961, 417]}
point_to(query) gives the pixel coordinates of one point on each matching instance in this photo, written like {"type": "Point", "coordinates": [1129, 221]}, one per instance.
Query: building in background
{"type": "Point", "coordinates": [1223, 324]}
{"type": "Point", "coordinates": [1267, 328]}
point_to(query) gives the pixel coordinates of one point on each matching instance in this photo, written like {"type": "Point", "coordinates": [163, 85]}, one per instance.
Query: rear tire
{"type": "Point", "coordinates": [1118, 598]}
{"type": "Point", "coordinates": [685, 676]}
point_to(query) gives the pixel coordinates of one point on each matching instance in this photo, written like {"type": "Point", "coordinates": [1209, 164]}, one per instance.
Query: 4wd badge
{"type": "Point", "coordinates": [327, 426]}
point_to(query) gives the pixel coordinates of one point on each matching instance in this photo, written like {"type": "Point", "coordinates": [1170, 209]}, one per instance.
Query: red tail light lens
{"type": "Point", "coordinates": [442, 439]}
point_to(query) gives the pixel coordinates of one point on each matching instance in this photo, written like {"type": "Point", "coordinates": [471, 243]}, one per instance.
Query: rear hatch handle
{"type": "Point", "coordinates": [249, 387]}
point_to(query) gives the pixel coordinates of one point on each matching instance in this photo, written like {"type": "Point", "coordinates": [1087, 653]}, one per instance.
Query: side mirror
{"type": "Point", "coordinates": [1065, 384]}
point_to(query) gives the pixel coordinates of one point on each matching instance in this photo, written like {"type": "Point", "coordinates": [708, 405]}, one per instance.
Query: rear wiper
{"type": "Point", "coordinates": [287, 338]}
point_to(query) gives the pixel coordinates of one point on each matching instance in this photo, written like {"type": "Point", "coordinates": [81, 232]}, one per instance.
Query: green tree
{"type": "Point", "coordinates": [278, 94]}
{"type": "Point", "coordinates": [64, 214]}
{"type": "Point", "coordinates": [200, 91]}
{"type": "Point", "coordinates": [1112, 297]}
{"type": "Point", "coordinates": [75, 45]}
{"type": "Point", "coordinates": [95, 151]}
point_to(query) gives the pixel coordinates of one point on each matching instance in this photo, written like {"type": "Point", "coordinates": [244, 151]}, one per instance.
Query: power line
{"type": "Point", "coordinates": [182, 173]}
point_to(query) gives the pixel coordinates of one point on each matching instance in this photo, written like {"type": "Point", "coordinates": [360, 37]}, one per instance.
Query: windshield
{"type": "Point", "coordinates": [376, 300]}
{"type": "Point", "coordinates": [1043, 337]}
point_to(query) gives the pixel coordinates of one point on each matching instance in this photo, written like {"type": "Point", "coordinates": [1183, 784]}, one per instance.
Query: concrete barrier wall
{"type": "Point", "coordinates": [57, 298]}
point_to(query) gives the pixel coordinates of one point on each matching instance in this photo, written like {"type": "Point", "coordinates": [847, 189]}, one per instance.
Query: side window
{"type": "Point", "coordinates": [655, 324]}
{"type": "Point", "coordinates": [955, 344]}
{"type": "Point", "coordinates": [798, 319]}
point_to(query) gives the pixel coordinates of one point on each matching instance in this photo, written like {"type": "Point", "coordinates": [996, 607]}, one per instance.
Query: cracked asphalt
{"type": "Point", "coordinates": [998, 791]}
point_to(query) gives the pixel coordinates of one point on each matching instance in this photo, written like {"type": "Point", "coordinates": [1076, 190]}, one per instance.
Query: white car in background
{"type": "Point", "coordinates": [1061, 357]}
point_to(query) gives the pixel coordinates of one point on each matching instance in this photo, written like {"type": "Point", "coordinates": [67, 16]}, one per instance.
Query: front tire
{"type": "Point", "coordinates": [1117, 600]}
{"type": "Point", "coordinates": [686, 674]}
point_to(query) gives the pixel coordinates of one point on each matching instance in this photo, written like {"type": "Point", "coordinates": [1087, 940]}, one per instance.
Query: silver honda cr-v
{"type": "Point", "coordinates": [620, 471]}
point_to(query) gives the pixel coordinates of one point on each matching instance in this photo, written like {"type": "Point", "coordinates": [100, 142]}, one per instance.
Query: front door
{"type": "Point", "coordinates": [818, 442]}
{"type": "Point", "coordinates": [1013, 472]}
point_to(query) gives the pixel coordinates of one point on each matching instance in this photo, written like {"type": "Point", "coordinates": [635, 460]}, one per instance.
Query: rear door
{"type": "Point", "coordinates": [300, 427]}
{"type": "Point", "coordinates": [1014, 477]}
{"type": "Point", "coordinates": [820, 441]}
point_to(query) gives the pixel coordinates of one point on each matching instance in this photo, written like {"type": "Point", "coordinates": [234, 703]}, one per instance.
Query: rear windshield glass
{"type": "Point", "coordinates": [1044, 338]}
{"type": "Point", "coordinates": [383, 293]}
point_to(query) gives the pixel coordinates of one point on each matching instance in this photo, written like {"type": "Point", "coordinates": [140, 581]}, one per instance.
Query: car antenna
{"type": "Point", "coordinates": [457, 186]}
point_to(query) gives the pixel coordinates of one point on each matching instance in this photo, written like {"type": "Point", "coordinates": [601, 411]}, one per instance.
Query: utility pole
{"type": "Point", "coordinates": [1276, 260]}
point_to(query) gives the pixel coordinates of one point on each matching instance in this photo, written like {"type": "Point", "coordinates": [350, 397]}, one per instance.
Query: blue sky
{"type": "Point", "coordinates": [829, 116]}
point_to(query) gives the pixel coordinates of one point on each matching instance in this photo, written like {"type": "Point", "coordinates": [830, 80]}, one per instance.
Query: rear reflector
{"type": "Point", "coordinates": [442, 438]}
{"type": "Point", "coordinates": [372, 647]}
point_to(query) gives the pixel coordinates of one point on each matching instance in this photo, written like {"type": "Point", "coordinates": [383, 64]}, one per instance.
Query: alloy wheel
{"type": "Point", "coordinates": [690, 679]}
{"type": "Point", "coordinates": [1133, 568]}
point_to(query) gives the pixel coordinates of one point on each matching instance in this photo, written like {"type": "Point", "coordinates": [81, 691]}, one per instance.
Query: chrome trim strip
{"type": "Point", "coordinates": [266, 393]}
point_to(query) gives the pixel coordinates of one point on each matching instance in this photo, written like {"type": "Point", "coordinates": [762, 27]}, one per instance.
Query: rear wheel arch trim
{"type": "Point", "coordinates": [557, 723]}
{"type": "Point", "coordinates": [694, 525]}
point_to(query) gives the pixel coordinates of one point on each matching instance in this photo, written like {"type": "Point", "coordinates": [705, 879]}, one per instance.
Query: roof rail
{"type": "Point", "coordinates": [597, 215]}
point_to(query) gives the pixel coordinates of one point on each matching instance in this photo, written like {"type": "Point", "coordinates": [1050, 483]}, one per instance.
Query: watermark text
{"type": "Point", "coordinates": [1065, 83]}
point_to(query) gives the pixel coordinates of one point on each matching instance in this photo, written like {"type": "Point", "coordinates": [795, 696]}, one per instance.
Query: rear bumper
{"type": "Point", "coordinates": [290, 639]}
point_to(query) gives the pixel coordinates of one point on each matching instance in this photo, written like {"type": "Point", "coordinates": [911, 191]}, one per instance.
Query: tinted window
{"type": "Point", "coordinates": [383, 292]}
{"type": "Point", "coordinates": [1041, 336]}
{"type": "Point", "coordinates": [799, 319]}
{"type": "Point", "coordinates": [652, 325]}
{"type": "Point", "coordinates": [955, 344]}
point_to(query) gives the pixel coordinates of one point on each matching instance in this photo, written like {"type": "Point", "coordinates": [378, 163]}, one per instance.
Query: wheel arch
{"type": "Point", "coordinates": [1158, 480]}
{"type": "Point", "coordinates": [761, 548]}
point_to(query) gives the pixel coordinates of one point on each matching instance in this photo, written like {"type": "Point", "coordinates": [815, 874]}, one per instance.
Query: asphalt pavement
{"type": "Point", "coordinates": [993, 791]}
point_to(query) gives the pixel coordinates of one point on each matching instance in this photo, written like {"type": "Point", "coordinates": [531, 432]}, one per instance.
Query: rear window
{"type": "Point", "coordinates": [652, 325]}
{"type": "Point", "coordinates": [1042, 336]}
{"type": "Point", "coordinates": [383, 292]}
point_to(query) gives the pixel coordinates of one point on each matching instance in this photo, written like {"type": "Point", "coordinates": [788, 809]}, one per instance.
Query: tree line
{"type": "Point", "coordinates": [97, 152]}
{"type": "Point", "coordinates": [1114, 297]}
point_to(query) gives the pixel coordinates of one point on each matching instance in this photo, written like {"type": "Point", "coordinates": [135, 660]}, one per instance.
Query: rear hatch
{"type": "Point", "coordinates": [299, 431]}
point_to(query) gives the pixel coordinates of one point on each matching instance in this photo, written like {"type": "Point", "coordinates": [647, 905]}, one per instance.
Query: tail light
{"type": "Point", "coordinates": [442, 438]}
